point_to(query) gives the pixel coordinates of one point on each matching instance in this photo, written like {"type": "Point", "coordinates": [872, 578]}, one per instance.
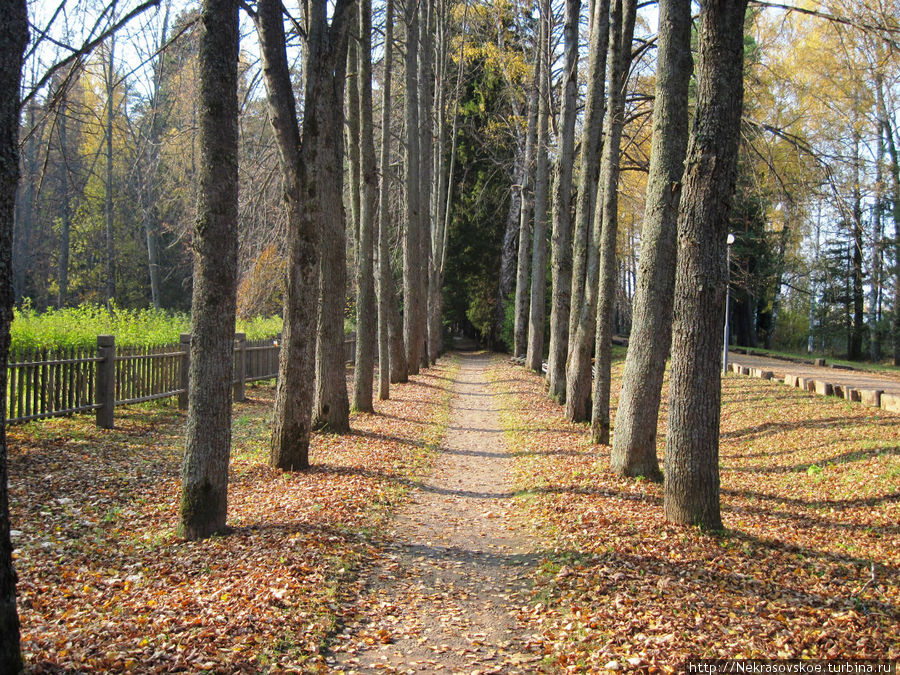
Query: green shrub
{"type": "Point", "coordinates": [79, 327]}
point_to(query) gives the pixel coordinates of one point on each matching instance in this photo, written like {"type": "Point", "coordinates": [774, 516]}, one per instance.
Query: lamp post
{"type": "Point", "coordinates": [729, 242]}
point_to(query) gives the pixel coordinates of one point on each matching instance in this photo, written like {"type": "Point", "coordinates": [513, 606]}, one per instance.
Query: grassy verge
{"type": "Point", "coordinates": [807, 568]}
{"type": "Point", "coordinates": [105, 585]}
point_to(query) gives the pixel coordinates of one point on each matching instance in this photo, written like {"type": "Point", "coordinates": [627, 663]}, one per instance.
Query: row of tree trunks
{"type": "Point", "coordinates": [13, 40]}
{"type": "Point", "coordinates": [634, 441]}
{"type": "Point", "coordinates": [308, 161]}
{"type": "Point", "coordinates": [586, 237]}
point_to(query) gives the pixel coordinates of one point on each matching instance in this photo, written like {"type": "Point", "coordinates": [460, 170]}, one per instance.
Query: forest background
{"type": "Point", "coordinates": [109, 147]}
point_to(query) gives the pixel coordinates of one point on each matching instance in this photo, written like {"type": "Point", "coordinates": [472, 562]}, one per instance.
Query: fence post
{"type": "Point", "coordinates": [185, 347]}
{"type": "Point", "coordinates": [240, 362]}
{"type": "Point", "coordinates": [105, 387]}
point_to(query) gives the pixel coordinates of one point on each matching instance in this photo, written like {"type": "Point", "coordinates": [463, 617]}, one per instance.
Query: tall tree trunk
{"type": "Point", "coordinates": [895, 197]}
{"type": "Point", "coordinates": [441, 233]}
{"type": "Point", "coordinates": [65, 225]}
{"type": "Point", "coordinates": [621, 34]}
{"type": "Point", "coordinates": [399, 363]}
{"type": "Point", "coordinates": [535, 353]}
{"type": "Point", "coordinates": [426, 160]}
{"type": "Point", "coordinates": [523, 264]}
{"type": "Point", "coordinates": [331, 405]}
{"type": "Point", "coordinates": [412, 262]}
{"type": "Point", "coordinates": [353, 133]}
{"type": "Point", "coordinates": [854, 344]}
{"type": "Point", "coordinates": [204, 474]}
{"type": "Point", "coordinates": [305, 201]}
{"type": "Point", "coordinates": [13, 41]}
{"type": "Point", "coordinates": [561, 251]}
{"type": "Point", "coordinates": [385, 282]}
{"type": "Point", "coordinates": [365, 277]}
{"type": "Point", "coordinates": [107, 201]}
{"type": "Point", "coordinates": [877, 230]}
{"type": "Point", "coordinates": [634, 441]}
{"type": "Point", "coordinates": [586, 237]}
{"type": "Point", "coordinates": [692, 443]}
{"type": "Point", "coordinates": [24, 221]}
{"type": "Point", "coordinates": [155, 131]}
{"type": "Point", "coordinates": [507, 282]}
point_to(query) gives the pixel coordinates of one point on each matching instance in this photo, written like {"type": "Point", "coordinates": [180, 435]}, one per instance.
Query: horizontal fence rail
{"type": "Point", "coordinates": [60, 382]}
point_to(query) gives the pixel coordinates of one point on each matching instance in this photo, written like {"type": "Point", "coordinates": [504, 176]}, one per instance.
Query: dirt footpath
{"type": "Point", "coordinates": [447, 593]}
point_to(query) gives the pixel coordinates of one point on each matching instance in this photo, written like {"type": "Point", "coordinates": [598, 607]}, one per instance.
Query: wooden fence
{"type": "Point", "coordinates": [54, 383]}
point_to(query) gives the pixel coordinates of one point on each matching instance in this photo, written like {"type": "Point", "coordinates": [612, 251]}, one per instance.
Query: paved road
{"type": "Point", "coordinates": [849, 378]}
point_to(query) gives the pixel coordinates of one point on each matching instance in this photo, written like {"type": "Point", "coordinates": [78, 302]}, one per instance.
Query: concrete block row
{"type": "Point", "coordinates": [874, 398]}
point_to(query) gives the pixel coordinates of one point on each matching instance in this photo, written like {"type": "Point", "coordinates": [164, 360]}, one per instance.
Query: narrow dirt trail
{"type": "Point", "coordinates": [446, 595]}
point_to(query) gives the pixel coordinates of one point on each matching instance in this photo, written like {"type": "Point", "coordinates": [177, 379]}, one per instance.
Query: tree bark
{"type": "Point", "coordinates": [204, 490]}
{"type": "Point", "coordinates": [854, 343]}
{"type": "Point", "coordinates": [895, 197]}
{"type": "Point", "coordinates": [634, 441]}
{"type": "Point", "coordinates": [365, 277]}
{"type": "Point", "coordinates": [535, 353]}
{"type": "Point", "coordinates": [385, 282]}
{"type": "Point", "coordinates": [305, 202]}
{"type": "Point", "coordinates": [412, 262]}
{"type": "Point", "coordinates": [523, 263]}
{"type": "Point", "coordinates": [586, 237]}
{"type": "Point", "coordinates": [13, 41]}
{"type": "Point", "coordinates": [331, 405]}
{"type": "Point", "coordinates": [65, 225]}
{"type": "Point", "coordinates": [353, 132]}
{"type": "Point", "coordinates": [692, 443]}
{"type": "Point", "coordinates": [561, 244]}
{"type": "Point", "coordinates": [426, 160]}
{"type": "Point", "coordinates": [107, 200]}
{"type": "Point", "coordinates": [620, 51]}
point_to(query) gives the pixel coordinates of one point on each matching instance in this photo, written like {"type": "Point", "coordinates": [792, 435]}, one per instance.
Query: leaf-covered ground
{"type": "Point", "coordinates": [807, 566]}
{"type": "Point", "coordinates": [106, 586]}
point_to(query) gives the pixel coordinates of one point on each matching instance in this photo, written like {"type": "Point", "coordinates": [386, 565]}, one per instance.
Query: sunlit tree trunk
{"type": "Point", "coordinates": [305, 167]}
{"type": "Point", "coordinates": [692, 442]}
{"type": "Point", "coordinates": [535, 353]}
{"type": "Point", "coordinates": [634, 441]}
{"type": "Point", "coordinates": [13, 41]}
{"type": "Point", "coordinates": [523, 264]}
{"type": "Point", "coordinates": [426, 159]}
{"type": "Point", "coordinates": [621, 32]}
{"type": "Point", "coordinates": [110, 74]}
{"type": "Point", "coordinates": [561, 249]}
{"type": "Point", "coordinates": [204, 474]}
{"type": "Point", "coordinates": [386, 297]}
{"type": "Point", "coordinates": [412, 261]}
{"type": "Point", "coordinates": [586, 236]}
{"type": "Point", "coordinates": [331, 405]}
{"type": "Point", "coordinates": [365, 277]}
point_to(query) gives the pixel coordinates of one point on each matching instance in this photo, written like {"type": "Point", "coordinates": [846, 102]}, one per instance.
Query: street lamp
{"type": "Point", "coordinates": [728, 241]}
